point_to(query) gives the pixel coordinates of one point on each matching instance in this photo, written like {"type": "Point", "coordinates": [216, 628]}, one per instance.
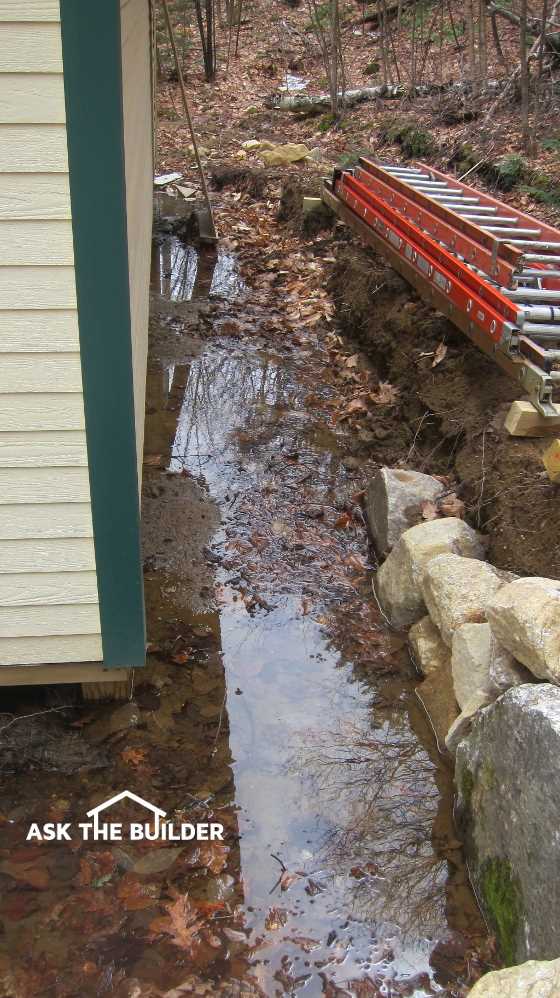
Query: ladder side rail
{"type": "Point", "coordinates": [500, 250]}
{"type": "Point", "coordinates": [440, 257]}
{"type": "Point", "coordinates": [422, 252]}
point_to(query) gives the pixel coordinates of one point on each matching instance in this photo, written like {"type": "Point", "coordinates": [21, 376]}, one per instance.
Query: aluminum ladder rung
{"type": "Point", "coordinates": [536, 243]}
{"type": "Point", "coordinates": [531, 294]}
{"type": "Point", "coordinates": [537, 273]}
{"type": "Point", "coordinates": [498, 219]}
{"type": "Point", "coordinates": [535, 329]}
{"type": "Point", "coordinates": [504, 232]}
{"type": "Point", "coordinates": [540, 258]}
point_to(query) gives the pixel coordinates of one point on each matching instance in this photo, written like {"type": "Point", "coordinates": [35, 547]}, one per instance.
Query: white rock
{"type": "Point", "coordinates": [398, 583]}
{"type": "Point", "coordinates": [525, 618]}
{"type": "Point", "coordinates": [482, 669]}
{"type": "Point", "coordinates": [428, 651]}
{"type": "Point", "coordinates": [394, 503]}
{"type": "Point", "coordinates": [534, 979]}
{"type": "Point", "coordinates": [457, 591]}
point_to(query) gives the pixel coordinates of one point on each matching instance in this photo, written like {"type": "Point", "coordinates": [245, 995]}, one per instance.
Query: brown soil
{"type": "Point", "coordinates": [449, 419]}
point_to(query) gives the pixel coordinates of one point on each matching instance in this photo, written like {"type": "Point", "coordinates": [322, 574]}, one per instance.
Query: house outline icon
{"type": "Point", "coordinates": [95, 811]}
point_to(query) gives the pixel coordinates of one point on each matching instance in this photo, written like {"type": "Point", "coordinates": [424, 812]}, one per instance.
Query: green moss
{"type": "Point", "coordinates": [326, 122]}
{"type": "Point", "coordinates": [502, 901]}
{"type": "Point", "coordinates": [372, 68]}
{"type": "Point", "coordinates": [414, 142]}
{"type": "Point", "coordinates": [467, 787]}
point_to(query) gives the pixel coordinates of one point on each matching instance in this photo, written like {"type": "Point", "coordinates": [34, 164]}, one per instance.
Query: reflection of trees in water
{"type": "Point", "coordinates": [221, 392]}
{"type": "Point", "coordinates": [383, 781]}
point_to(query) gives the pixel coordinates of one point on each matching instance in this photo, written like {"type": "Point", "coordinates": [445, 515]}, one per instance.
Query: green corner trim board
{"type": "Point", "coordinates": [91, 46]}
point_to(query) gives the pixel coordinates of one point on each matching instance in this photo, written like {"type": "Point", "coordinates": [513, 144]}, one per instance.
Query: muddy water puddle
{"type": "Point", "coordinates": [274, 701]}
{"type": "Point", "coordinates": [350, 866]}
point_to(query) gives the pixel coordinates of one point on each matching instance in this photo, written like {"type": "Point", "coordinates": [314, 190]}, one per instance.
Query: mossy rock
{"type": "Point", "coordinates": [502, 902]}
{"type": "Point", "coordinates": [372, 68]}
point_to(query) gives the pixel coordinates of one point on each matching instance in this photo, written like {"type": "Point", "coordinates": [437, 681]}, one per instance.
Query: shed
{"type": "Point", "coordinates": [76, 136]}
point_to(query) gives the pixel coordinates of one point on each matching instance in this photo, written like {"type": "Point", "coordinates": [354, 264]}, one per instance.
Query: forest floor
{"type": "Point", "coordinates": [442, 418]}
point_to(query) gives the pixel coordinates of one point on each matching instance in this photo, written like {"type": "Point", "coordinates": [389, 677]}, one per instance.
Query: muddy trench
{"type": "Point", "coordinates": [275, 701]}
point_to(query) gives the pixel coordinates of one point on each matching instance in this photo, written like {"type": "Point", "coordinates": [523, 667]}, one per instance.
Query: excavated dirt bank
{"type": "Point", "coordinates": [449, 418]}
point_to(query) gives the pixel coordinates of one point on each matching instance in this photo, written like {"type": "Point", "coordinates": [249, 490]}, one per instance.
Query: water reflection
{"type": "Point", "coordinates": [339, 794]}
{"type": "Point", "coordinates": [183, 272]}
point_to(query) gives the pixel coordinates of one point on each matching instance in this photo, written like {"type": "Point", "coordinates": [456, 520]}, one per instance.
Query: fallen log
{"type": "Point", "coordinates": [309, 104]}
{"type": "Point", "coordinates": [534, 26]}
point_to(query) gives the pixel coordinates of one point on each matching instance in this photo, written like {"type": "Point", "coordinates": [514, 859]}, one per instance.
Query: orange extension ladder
{"type": "Point", "coordinates": [492, 270]}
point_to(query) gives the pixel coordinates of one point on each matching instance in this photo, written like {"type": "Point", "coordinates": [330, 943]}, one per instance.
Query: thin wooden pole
{"type": "Point", "coordinates": [189, 119]}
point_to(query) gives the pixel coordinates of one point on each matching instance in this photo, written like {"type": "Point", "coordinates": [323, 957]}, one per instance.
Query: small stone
{"type": "Point", "coordinates": [394, 503]}
{"type": "Point", "coordinates": [250, 145]}
{"type": "Point", "coordinates": [525, 618]}
{"type": "Point", "coordinates": [481, 668]}
{"type": "Point", "coordinates": [534, 979]}
{"type": "Point", "coordinates": [398, 583]}
{"type": "Point", "coordinates": [457, 591]}
{"type": "Point", "coordinates": [429, 653]}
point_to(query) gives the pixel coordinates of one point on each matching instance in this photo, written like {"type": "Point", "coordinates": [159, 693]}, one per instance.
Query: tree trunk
{"type": "Point", "coordinates": [524, 74]}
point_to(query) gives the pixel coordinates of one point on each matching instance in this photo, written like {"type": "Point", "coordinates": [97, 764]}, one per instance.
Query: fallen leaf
{"type": "Point", "coordinates": [386, 394]}
{"type": "Point", "coordinates": [440, 353]}
{"type": "Point", "coordinates": [27, 873]}
{"type": "Point", "coordinates": [133, 894]}
{"type": "Point", "coordinates": [343, 521]}
{"type": "Point", "coordinates": [352, 361]}
{"type": "Point", "coordinates": [134, 756]}
{"type": "Point", "coordinates": [287, 879]}
{"type": "Point", "coordinates": [181, 923]}
{"type": "Point", "coordinates": [156, 861]}
{"type": "Point", "coordinates": [276, 918]}
{"type": "Point", "coordinates": [181, 658]}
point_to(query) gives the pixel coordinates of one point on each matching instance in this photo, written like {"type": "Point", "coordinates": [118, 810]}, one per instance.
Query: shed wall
{"type": "Point", "coordinates": [48, 593]}
{"type": "Point", "coordinates": [137, 108]}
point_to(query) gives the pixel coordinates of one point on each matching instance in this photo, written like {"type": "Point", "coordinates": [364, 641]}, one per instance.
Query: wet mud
{"type": "Point", "coordinates": [275, 702]}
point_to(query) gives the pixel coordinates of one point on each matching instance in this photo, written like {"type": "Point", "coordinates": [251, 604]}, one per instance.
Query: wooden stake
{"type": "Point", "coordinates": [211, 234]}
{"type": "Point", "coordinates": [523, 420]}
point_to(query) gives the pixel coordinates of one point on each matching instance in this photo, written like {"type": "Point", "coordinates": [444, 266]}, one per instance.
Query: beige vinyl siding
{"type": "Point", "coordinates": [137, 106]}
{"type": "Point", "coordinates": [33, 196]}
{"type": "Point", "coordinates": [30, 243]}
{"type": "Point", "coordinates": [49, 609]}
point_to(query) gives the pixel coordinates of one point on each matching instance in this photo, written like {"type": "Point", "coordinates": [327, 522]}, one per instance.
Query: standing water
{"type": "Point", "coordinates": [275, 701]}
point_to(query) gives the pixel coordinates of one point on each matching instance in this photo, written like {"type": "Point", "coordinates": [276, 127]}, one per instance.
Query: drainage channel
{"type": "Point", "coordinates": [274, 702]}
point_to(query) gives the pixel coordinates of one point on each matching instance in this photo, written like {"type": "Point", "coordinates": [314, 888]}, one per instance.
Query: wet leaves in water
{"type": "Point", "coordinates": [181, 923]}
{"type": "Point", "coordinates": [181, 658]}
{"type": "Point", "coordinates": [156, 861]}
{"type": "Point", "coordinates": [33, 874]}
{"type": "Point", "coordinates": [133, 894]}
{"type": "Point", "coordinates": [134, 756]}
{"type": "Point", "coordinates": [288, 878]}
{"type": "Point", "coordinates": [276, 918]}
